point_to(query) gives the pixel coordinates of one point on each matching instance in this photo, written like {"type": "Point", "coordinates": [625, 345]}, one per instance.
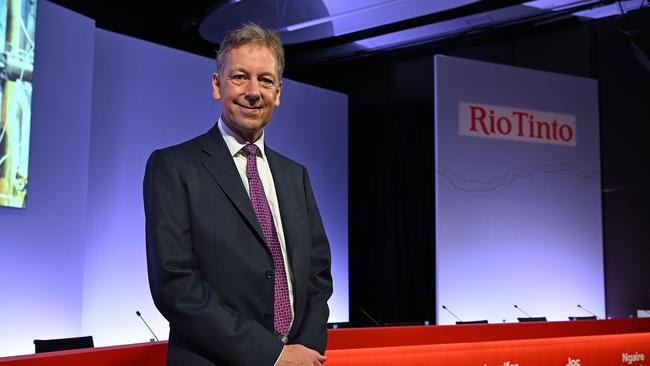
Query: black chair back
{"type": "Point", "coordinates": [62, 344]}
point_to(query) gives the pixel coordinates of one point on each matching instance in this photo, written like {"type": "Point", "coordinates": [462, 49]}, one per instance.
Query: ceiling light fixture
{"type": "Point", "coordinates": [313, 22]}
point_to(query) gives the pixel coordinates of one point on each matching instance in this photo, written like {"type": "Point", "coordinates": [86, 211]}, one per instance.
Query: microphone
{"type": "Point", "coordinates": [369, 317]}
{"type": "Point", "coordinates": [452, 314]}
{"type": "Point", "coordinates": [587, 310]}
{"type": "Point", "coordinates": [522, 310]}
{"type": "Point", "coordinates": [145, 323]}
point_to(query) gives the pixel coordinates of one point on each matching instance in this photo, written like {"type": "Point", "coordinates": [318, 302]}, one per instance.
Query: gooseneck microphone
{"type": "Point", "coordinates": [145, 323]}
{"type": "Point", "coordinates": [369, 317]}
{"type": "Point", "coordinates": [452, 314]}
{"type": "Point", "coordinates": [522, 310]}
{"type": "Point", "coordinates": [587, 310]}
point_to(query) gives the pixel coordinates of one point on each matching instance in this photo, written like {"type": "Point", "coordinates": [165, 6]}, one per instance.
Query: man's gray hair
{"type": "Point", "coordinates": [251, 33]}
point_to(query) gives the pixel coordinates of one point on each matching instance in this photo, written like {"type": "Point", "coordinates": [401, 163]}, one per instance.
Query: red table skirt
{"type": "Point", "coordinates": [603, 350]}
{"type": "Point", "coordinates": [582, 343]}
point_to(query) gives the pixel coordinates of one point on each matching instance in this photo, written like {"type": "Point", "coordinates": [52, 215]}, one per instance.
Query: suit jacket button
{"type": "Point", "coordinates": [268, 274]}
{"type": "Point", "coordinates": [267, 316]}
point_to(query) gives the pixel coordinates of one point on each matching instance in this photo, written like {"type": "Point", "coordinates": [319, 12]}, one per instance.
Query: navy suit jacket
{"type": "Point", "coordinates": [210, 271]}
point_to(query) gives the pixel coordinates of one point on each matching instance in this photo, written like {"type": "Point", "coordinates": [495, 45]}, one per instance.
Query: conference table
{"type": "Point", "coordinates": [567, 343]}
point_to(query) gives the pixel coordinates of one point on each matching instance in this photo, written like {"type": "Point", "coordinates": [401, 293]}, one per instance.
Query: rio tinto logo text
{"type": "Point", "coordinates": [519, 124]}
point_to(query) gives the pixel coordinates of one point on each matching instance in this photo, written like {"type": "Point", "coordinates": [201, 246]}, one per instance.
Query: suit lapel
{"type": "Point", "coordinates": [219, 163]}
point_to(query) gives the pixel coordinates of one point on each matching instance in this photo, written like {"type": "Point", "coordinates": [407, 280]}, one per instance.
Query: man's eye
{"type": "Point", "coordinates": [238, 77]}
{"type": "Point", "coordinates": [267, 82]}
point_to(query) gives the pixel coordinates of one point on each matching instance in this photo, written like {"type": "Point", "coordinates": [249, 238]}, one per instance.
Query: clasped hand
{"type": "Point", "coordinates": [297, 354]}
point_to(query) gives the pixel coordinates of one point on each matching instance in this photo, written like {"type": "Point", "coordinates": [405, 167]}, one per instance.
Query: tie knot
{"type": "Point", "coordinates": [251, 150]}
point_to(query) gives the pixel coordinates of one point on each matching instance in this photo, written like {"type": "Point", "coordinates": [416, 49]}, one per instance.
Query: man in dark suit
{"type": "Point", "coordinates": [238, 259]}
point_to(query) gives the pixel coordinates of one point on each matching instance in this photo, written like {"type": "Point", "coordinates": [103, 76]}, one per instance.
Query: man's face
{"type": "Point", "coordinates": [248, 89]}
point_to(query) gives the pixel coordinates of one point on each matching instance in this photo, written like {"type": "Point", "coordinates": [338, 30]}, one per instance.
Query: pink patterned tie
{"type": "Point", "coordinates": [282, 308]}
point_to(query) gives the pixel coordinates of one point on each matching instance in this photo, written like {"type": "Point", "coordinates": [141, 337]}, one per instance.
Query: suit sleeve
{"type": "Point", "coordinates": [192, 307]}
{"type": "Point", "coordinates": [313, 329]}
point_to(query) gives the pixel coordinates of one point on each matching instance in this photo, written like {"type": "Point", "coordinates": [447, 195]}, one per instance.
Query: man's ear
{"type": "Point", "coordinates": [216, 86]}
{"type": "Point", "coordinates": [278, 91]}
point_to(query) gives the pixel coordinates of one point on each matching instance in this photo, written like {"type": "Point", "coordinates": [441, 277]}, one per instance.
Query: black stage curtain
{"type": "Point", "coordinates": [392, 227]}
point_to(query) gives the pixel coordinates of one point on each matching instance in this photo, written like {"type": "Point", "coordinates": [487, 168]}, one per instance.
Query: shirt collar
{"type": "Point", "coordinates": [235, 143]}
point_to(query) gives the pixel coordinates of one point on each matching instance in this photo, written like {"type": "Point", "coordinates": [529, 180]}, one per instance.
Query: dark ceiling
{"type": "Point", "coordinates": [176, 24]}
{"type": "Point", "coordinates": [170, 23]}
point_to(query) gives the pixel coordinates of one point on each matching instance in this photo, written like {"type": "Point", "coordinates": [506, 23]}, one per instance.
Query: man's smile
{"type": "Point", "coordinates": [248, 106]}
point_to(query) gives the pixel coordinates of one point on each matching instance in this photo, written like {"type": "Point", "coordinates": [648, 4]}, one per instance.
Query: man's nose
{"type": "Point", "coordinates": [252, 91]}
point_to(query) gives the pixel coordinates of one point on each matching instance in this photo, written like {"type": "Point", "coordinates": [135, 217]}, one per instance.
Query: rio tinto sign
{"type": "Point", "coordinates": [519, 124]}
